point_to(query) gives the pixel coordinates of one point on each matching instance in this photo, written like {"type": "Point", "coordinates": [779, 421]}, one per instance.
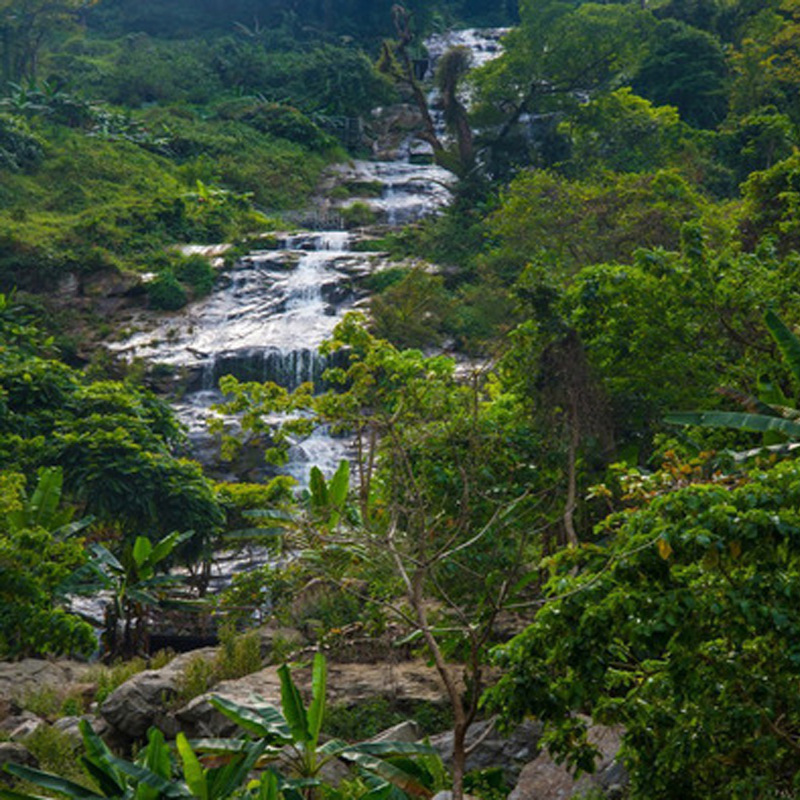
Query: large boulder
{"type": "Point", "coordinates": [142, 701]}
{"type": "Point", "coordinates": [543, 779]}
{"type": "Point", "coordinates": [348, 684]}
{"type": "Point", "coordinates": [508, 752]}
{"type": "Point", "coordinates": [21, 678]}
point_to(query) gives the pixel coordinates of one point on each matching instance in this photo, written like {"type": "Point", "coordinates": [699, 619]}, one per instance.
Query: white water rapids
{"type": "Point", "coordinates": [273, 308]}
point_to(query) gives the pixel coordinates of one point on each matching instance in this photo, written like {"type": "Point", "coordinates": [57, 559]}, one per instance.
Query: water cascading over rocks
{"type": "Point", "coordinates": [275, 307]}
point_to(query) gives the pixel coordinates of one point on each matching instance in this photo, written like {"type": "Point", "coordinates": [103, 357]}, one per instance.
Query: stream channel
{"type": "Point", "coordinates": [274, 307]}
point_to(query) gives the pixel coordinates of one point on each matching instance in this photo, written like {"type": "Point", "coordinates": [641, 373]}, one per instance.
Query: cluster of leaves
{"type": "Point", "coordinates": [681, 622]}
{"type": "Point", "coordinates": [110, 447]}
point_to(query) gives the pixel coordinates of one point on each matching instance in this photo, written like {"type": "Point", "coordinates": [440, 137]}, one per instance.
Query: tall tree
{"type": "Point", "coordinates": [26, 25]}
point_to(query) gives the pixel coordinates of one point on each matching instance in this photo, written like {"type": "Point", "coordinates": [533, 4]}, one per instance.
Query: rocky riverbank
{"type": "Point", "coordinates": [152, 698]}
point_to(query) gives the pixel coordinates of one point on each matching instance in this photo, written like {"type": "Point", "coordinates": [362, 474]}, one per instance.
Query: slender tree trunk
{"type": "Point", "coordinates": [572, 480]}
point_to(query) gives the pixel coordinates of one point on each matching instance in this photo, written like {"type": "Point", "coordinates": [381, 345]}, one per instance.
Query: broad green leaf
{"type": "Point", "coordinates": [268, 789]}
{"type": "Point", "coordinates": [46, 497]}
{"type": "Point", "coordinates": [389, 772]}
{"type": "Point", "coordinates": [141, 550]}
{"type": "Point", "coordinates": [259, 718]}
{"type": "Point", "coordinates": [98, 755]}
{"type": "Point", "coordinates": [52, 782]}
{"type": "Point", "coordinates": [104, 776]}
{"type": "Point", "coordinates": [8, 794]}
{"type": "Point", "coordinates": [224, 781]}
{"type": "Point", "coordinates": [292, 706]}
{"type": "Point", "coordinates": [756, 423]}
{"type": "Point", "coordinates": [340, 484]}
{"type": "Point", "coordinates": [154, 757]}
{"type": "Point", "coordinates": [787, 342]}
{"type": "Point", "coordinates": [166, 788]}
{"type": "Point", "coordinates": [165, 547]}
{"type": "Point", "coordinates": [193, 771]}
{"type": "Point", "coordinates": [318, 488]}
{"type": "Point", "coordinates": [394, 748]}
{"type": "Point", "coordinates": [319, 687]}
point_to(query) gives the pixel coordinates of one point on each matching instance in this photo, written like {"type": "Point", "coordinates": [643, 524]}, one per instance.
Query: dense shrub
{"type": "Point", "coordinates": [20, 148]}
{"type": "Point", "coordinates": [165, 293]}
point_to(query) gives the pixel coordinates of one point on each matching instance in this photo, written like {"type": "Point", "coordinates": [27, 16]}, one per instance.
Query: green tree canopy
{"type": "Point", "coordinates": [682, 628]}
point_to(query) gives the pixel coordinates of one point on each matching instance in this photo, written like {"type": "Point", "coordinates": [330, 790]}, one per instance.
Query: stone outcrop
{"type": "Point", "coordinates": [510, 753]}
{"type": "Point", "coordinates": [20, 678]}
{"type": "Point", "coordinates": [142, 701]}
{"type": "Point", "coordinates": [348, 684]}
{"type": "Point", "coordinates": [543, 779]}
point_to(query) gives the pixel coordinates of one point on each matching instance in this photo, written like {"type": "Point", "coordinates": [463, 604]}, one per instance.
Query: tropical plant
{"type": "Point", "coordinates": [681, 628]}
{"type": "Point", "coordinates": [428, 444]}
{"type": "Point", "coordinates": [152, 775]}
{"type": "Point", "coordinates": [292, 740]}
{"type": "Point", "coordinates": [37, 556]}
{"type": "Point", "coordinates": [771, 414]}
{"type": "Point", "coordinates": [136, 588]}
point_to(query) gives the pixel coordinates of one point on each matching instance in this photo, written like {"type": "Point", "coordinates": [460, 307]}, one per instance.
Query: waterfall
{"type": "Point", "coordinates": [274, 308]}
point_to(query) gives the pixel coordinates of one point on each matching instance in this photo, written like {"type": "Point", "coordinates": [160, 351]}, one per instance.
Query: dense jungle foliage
{"type": "Point", "coordinates": [623, 245]}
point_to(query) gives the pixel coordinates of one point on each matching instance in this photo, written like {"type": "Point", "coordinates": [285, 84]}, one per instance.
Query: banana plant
{"type": "Point", "coordinates": [42, 509]}
{"type": "Point", "coordinates": [293, 741]}
{"type": "Point", "coordinates": [135, 586]}
{"type": "Point", "coordinates": [772, 413]}
{"type": "Point", "coordinates": [152, 776]}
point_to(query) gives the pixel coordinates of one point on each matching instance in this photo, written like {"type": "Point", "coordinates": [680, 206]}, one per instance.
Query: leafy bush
{"type": "Point", "coordinates": [684, 621]}
{"type": "Point", "coordinates": [284, 122]}
{"type": "Point", "coordinates": [197, 272]}
{"type": "Point", "coordinates": [358, 215]}
{"type": "Point", "coordinates": [165, 293]}
{"type": "Point", "coordinates": [20, 148]}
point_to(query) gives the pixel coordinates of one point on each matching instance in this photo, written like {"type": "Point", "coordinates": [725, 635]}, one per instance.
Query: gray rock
{"type": "Point", "coordinates": [14, 721]}
{"type": "Point", "coordinates": [20, 678]}
{"type": "Point", "coordinates": [348, 684]}
{"type": "Point", "coordinates": [141, 702]}
{"type": "Point", "coordinates": [408, 731]}
{"type": "Point", "coordinates": [543, 779]}
{"type": "Point", "coordinates": [13, 753]}
{"type": "Point", "coordinates": [71, 725]}
{"type": "Point", "coordinates": [510, 753]}
{"type": "Point", "coordinates": [26, 728]}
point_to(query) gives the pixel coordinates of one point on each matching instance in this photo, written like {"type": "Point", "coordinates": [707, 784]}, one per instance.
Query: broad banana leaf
{"type": "Point", "coordinates": [52, 783]}
{"type": "Point", "coordinates": [756, 423]}
{"type": "Point", "coordinates": [787, 342]}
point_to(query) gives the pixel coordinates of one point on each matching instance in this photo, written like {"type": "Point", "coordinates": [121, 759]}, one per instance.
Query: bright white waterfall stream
{"type": "Point", "coordinates": [273, 308]}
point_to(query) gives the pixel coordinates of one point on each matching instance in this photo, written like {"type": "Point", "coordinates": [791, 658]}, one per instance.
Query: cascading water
{"type": "Point", "coordinates": [276, 307]}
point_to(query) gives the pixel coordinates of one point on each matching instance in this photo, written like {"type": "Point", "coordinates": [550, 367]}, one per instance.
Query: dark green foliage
{"type": "Point", "coordinates": [283, 122]}
{"type": "Point", "coordinates": [770, 201]}
{"type": "Point", "coordinates": [166, 293]}
{"type": "Point", "coordinates": [671, 629]}
{"type": "Point", "coordinates": [560, 224]}
{"type": "Point", "coordinates": [196, 270]}
{"type": "Point", "coordinates": [37, 555]}
{"type": "Point", "coordinates": [367, 719]}
{"type": "Point", "coordinates": [686, 69]}
{"type": "Point", "coordinates": [412, 311]}
{"type": "Point", "coordinates": [114, 443]}
{"type": "Point", "coordinates": [20, 148]}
